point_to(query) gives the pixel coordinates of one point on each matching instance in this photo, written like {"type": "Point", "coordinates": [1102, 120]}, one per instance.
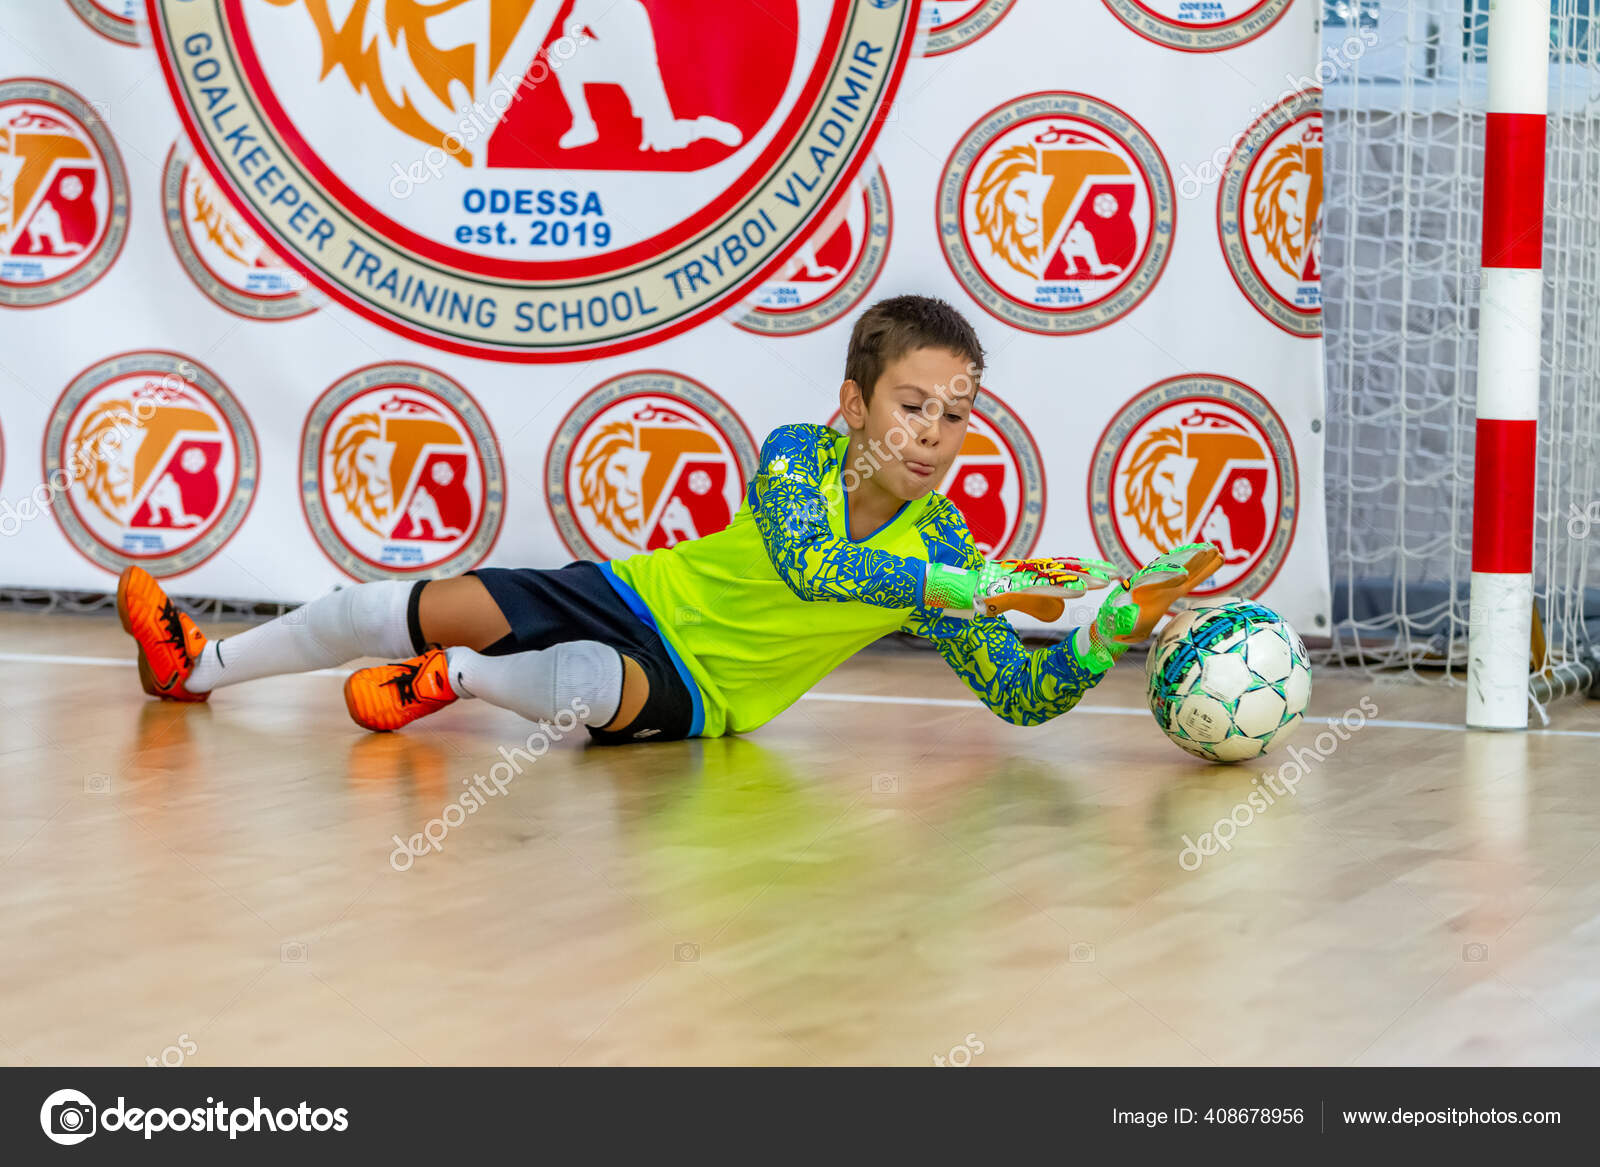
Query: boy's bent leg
{"type": "Point", "coordinates": [536, 642]}
{"type": "Point", "coordinates": [591, 680]}
{"type": "Point", "coordinates": [369, 619]}
{"type": "Point", "coordinates": [459, 611]}
{"type": "Point", "coordinates": [539, 684]}
{"type": "Point", "coordinates": [635, 692]}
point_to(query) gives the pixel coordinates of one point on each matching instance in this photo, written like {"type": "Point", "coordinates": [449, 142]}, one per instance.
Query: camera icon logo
{"type": "Point", "coordinates": [68, 1117]}
{"type": "Point", "coordinates": [885, 784]}
{"type": "Point", "coordinates": [1475, 953]}
{"type": "Point", "coordinates": [1081, 953]}
{"type": "Point", "coordinates": [292, 952]}
{"type": "Point", "coordinates": [97, 784]}
{"type": "Point", "coordinates": [685, 953]}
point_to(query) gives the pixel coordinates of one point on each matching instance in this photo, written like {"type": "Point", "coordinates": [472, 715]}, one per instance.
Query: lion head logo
{"type": "Point", "coordinates": [610, 481]}
{"type": "Point", "coordinates": [101, 457]}
{"type": "Point", "coordinates": [213, 216]}
{"type": "Point", "coordinates": [424, 66]}
{"type": "Point", "coordinates": [398, 53]}
{"type": "Point", "coordinates": [1007, 207]}
{"type": "Point", "coordinates": [361, 460]}
{"type": "Point", "coordinates": [1156, 486]}
{"type": "Point", "coordinates": [1287, 205]}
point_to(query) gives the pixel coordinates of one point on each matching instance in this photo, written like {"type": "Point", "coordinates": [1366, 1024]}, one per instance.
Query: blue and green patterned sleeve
{"type": "Point", "coordinates": [790, 511]}
{"type": "Point", "coordinates": [1020, 686]}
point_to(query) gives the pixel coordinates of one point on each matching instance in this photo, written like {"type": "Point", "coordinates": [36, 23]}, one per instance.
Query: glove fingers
{"type": "Point", "coordinates": [1189, 550]}
{"type": "Point", "coordinates": [1197, 560]}
{"type": "Point", "coordinates": [1156, 575]}
{"type": "Point", "coordinates": [1204, 564]}
{"type": "Point", "coordinates": [1191, 565]}
{"type": "Point", "coordinates": [1154, 596]}
{"type": "Point", "coordinates": [1066, 572]}
{"type": "Point", "coordinates": [1097, 569]}
{"type": "Point", "coordinates": [1131, 612]}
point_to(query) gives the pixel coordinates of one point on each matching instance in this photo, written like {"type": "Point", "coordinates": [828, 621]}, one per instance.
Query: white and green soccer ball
{"type": "Point", "coordinates": [1228, 680]}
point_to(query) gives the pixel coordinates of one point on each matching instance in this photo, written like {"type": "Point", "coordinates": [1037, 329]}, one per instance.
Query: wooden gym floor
{"type": "Point", "coordinates": [885, 874]}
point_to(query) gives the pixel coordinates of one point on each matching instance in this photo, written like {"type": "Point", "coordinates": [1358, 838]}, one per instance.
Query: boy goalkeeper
{"type": "Point", "coordinates": [840, 540]}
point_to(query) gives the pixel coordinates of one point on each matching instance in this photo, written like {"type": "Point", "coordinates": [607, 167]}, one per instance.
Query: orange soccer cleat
{"type": "Point", "coordinates": [169, 643]}
{"type": "Point", "coordinates": [386, 697]}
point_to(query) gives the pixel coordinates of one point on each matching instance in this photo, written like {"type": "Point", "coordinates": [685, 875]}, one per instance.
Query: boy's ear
{"type": "Point", "coordinates": [852, 405]}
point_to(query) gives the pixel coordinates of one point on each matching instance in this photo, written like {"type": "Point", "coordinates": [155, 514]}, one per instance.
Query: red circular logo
{"type": "Point", "coordinates": [1056, 213]}
{"type": "Point", "coordinates": [223, 256]}
{"type": "Point", "coordinates": [834, 269]}
{"type": "Point", "coordinates": [1199, 26]}
{"type": "Point", "coordinates": [400, 473]}
{"type": "Point", "coordinates": [156, 460]}
{"type": "Point", "coordinates": [948, 25]}
{"type": "Point", "coordinates": [1197, 458]}
{"type": "Point", "coordinates": [646, 460]}
{"type": "Point", "coordinates": [529, 180]}
{"type": "Point", "coordinates": [116, 20]}
{"type": "Point", "coordinates": [63, 194]}
{"type": "Point", "coordinates": [1269, 214]}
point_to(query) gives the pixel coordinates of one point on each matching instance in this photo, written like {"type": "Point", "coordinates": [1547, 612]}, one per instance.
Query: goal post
{"type": "Point", "coordinates": [1510, 320]}
{"type": "Point", "coordinates": [1461, 319]}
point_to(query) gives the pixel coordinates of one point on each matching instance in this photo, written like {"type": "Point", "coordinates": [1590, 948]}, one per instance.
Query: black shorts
{"type": "Point", "coordinates": [577, 602]}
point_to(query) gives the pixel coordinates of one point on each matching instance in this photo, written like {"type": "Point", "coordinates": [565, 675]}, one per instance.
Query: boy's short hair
{"type": "Point", "coordinates": [891, 328]}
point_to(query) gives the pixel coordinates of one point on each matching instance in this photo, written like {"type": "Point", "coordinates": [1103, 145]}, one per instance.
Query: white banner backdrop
{"type": "Point", "coordinates": [289, 298]}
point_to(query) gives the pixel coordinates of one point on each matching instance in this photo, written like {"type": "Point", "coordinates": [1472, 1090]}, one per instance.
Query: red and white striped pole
{"type": "Point", "coordinates": [1500, 623]}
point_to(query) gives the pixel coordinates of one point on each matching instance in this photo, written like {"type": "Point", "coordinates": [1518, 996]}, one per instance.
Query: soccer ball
{"type": "Point", "coordinates": [1228, 680]}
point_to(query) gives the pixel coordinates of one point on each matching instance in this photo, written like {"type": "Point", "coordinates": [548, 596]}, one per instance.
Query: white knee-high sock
{"type": "Point", "coordinates": [583, 676]}
{"type": "Point", "coordinates": [366, 619]}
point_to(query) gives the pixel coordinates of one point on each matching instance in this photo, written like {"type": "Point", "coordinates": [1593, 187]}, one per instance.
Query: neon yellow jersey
{"type": "Point", "coordinates": [760, 611]}
{"type": "Point", "coordinates": [752, 644]}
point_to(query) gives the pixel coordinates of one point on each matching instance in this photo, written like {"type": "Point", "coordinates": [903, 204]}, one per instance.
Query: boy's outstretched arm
{"type": "Point", "coordinates": [790, 511]}
{"type": "Point", "coordinates": [1027, 688]}
{"type": "Point", "coordinates": [1022, 686]}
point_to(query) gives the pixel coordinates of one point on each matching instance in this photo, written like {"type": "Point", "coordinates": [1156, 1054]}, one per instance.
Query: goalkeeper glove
{"type": "Point", "coordinates": [1039, 587]}
{"type": "Point", "coordinates": [1133, 608]}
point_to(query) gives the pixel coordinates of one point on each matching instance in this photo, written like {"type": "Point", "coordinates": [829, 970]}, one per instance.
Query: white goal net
{"type": "Point", "coordinates": [1404, 124]}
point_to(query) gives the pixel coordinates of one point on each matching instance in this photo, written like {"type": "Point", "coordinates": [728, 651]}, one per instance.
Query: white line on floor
{"type": "Point", "coordinates": [1125, 711]}
{"type": "Point", "coordinates": [853, 698]}
{"type": "Point", "coordinates": [36, 658]}
{"type": "Point", "coordinates": [117, 662]}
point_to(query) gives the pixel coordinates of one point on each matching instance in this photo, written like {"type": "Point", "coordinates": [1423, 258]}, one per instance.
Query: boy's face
{"type": "Point", "coordinates": [914, 426]}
